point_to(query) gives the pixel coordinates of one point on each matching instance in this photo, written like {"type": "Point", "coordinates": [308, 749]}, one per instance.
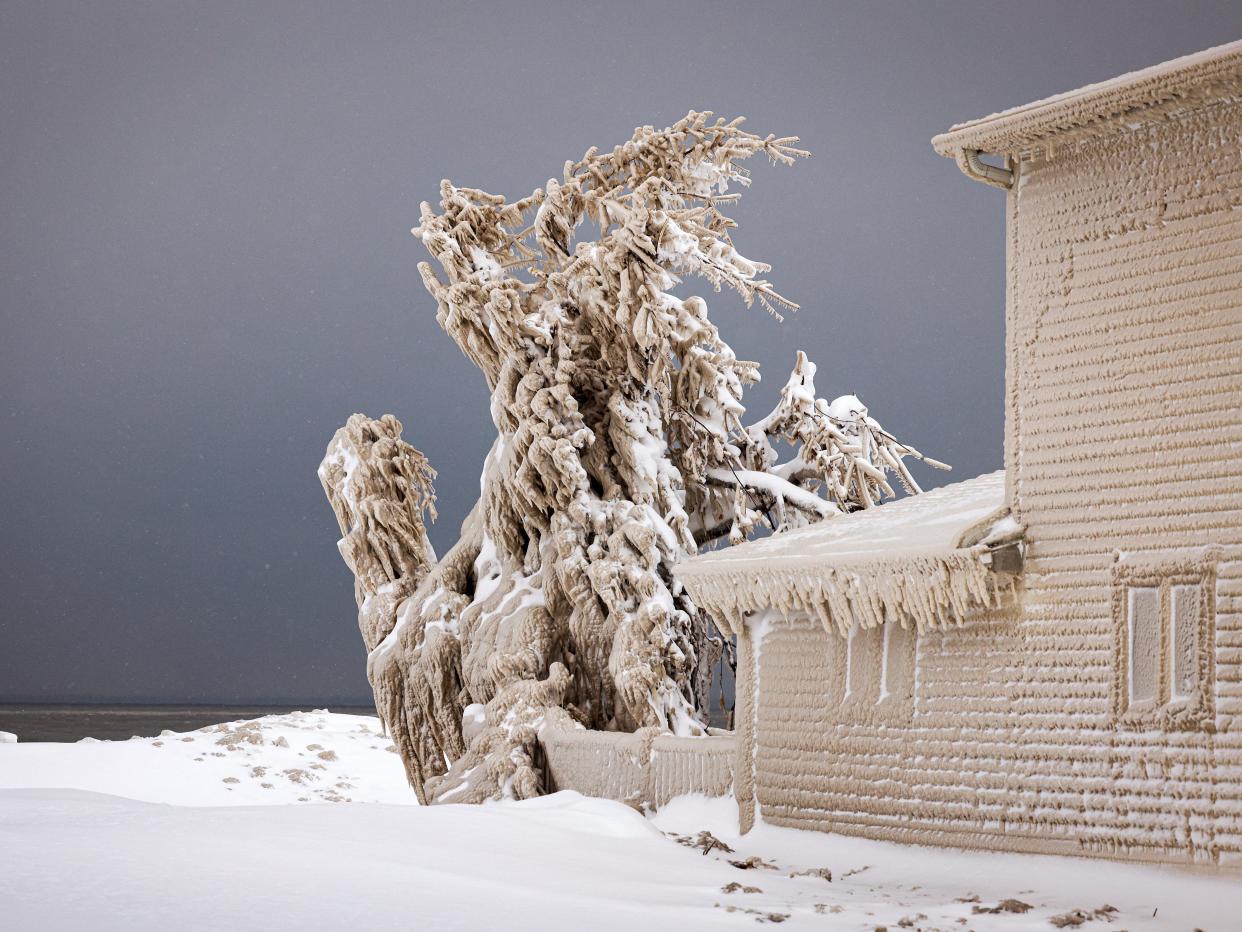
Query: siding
{"type": "Point", "coordinates": [1123, 437]}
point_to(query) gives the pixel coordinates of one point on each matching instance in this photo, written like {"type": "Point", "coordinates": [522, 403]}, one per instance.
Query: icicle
{"type": "Point", "coordinates": [931, 592]}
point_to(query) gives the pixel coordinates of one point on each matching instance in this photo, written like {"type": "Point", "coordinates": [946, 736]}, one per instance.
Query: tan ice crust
{"type": "Point", "coordinates": [1126, 102]}
{"type": "Point", "coordinates": [903, 560]}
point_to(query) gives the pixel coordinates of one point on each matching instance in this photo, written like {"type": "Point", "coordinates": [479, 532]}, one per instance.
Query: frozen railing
{"type": "Point", "coordinates": [644, 767]}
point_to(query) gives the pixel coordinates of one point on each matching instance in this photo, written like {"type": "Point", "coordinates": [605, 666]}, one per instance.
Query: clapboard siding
{"type": "Point", "coordinates": [1123, 437]}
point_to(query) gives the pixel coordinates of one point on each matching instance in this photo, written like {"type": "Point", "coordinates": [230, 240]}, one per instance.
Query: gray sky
{"type": "Point", "coordinates": [205, 267]}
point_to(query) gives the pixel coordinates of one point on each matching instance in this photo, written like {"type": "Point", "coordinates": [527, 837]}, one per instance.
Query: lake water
{"type": "Point", "coordinates": [31, 722]}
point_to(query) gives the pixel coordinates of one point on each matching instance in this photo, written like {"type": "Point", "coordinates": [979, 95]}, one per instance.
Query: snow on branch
{"type": "Point", "coordinates": [840, 448]}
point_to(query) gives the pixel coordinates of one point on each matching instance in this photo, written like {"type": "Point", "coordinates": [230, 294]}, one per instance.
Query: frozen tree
{"type": "Point", "coordinates": [620, 450]}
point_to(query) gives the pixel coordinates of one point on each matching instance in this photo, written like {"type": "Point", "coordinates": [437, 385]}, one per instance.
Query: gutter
{"type": "Point", "coordinates": [974, 168]}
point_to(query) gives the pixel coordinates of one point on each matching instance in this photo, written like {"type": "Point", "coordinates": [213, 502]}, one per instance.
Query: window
{"type": "Point", "coordinates": [897, 673]}
{"type": "Point", "coordinates": [1143, 620]}
{"type": "Point", "coordinates": [1165, 635]}
{"type": "Point", "coordinates": [877, 672]}
{"type": "Point", "coordinates": [1186, 605]}
{"type": "Point", "coordinates": [863, 663]}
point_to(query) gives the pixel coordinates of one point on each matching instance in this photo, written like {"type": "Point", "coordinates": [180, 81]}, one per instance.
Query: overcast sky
{"type": "Point", "coordinates": [206, 266]}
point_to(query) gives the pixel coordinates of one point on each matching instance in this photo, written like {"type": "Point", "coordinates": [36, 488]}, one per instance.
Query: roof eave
{"type": "Point", "coordinates": [1109, 104]}
{"type": "Point", "coordinates": [931, 591]}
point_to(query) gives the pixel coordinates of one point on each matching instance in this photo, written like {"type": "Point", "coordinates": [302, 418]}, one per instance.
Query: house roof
{"type": "Point", "coordinates": [1124, 101]}
{"type": "Point", "coordinates": [915, 559]}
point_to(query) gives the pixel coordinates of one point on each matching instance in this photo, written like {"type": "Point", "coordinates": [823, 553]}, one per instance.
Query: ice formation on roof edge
{"type": "Point", "coordinates": [926, 562]}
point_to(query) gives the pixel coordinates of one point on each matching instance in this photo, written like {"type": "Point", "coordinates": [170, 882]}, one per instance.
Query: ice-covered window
{"type": "Point", "coordinates": [885, 661]}
{"type": "Point", "coordinates": [897, 683]}
{"type": "Point", "coordinates": [877, 668]}
{"type": "Point", "coordinates": [851, 668]}
{"type": "Point", "coordinates": [1165, 642]}
{"type": "Point", "coordinates": [1144, 630]}
{"type": "Point", "coordinates": [863, 663]}
{"type": "Point", "coordinates": [1187, 608]}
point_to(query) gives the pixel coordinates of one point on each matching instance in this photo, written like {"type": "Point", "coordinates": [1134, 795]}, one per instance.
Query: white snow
{"type": "Point", "coordinates": [486, 264]}
{"type": "Point", "coordinates": [1007, 526]}
{"type": "Point", "coordinates": [776, 487]}
{"type": "Point", "coordinates": [315, 756]}
{"type": "Point", "coordinates": [879, 883]}
{"type": "Point", "coordinates": [86, 843]}
{"type": "Point", "coordinates": [7, 737]}
{"type": "Point", "coordinates": [931, 523]}
{"type": "Point", "coordinates": [847, 408]}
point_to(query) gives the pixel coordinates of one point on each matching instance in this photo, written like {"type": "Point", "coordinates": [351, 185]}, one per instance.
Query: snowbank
{"type": "Point", "coordinates": [222, 856]}
{"type": "Point", "coordinates": [301, 757]}
{"type": "Point", "coordinates": [73, 860]}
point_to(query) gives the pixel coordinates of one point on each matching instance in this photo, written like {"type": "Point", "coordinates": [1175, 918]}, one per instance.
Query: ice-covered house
{"type": "Point", "coordinates": [1048, 658]}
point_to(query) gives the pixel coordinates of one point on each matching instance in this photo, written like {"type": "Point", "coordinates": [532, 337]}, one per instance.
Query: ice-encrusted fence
{"type": "Point", "coordinates": [644, 767]}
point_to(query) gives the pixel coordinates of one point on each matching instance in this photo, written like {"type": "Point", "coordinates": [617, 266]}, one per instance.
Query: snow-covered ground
{"type": "Point", "coordinates": [319, 831]}
{"type": "Point", "coordinates": [301, 757]}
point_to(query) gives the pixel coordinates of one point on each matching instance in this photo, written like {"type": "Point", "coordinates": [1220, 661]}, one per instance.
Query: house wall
{"type": "Point", "coordinates": [1124, 461]}
{"type": "Point", "coordinates": [1126, 271]}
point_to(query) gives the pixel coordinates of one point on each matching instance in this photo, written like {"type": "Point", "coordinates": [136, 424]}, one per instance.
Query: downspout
{"type": "Point", "coordinates": [973, 167]}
